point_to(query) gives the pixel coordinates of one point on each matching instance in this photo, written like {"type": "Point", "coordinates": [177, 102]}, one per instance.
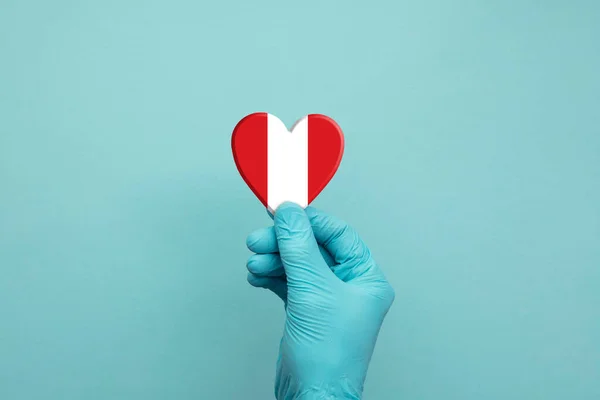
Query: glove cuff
{"type": "Point", "coordinates": [288, 389]}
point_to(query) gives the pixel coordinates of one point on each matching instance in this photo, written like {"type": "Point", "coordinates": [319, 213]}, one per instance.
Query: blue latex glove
{"type": "Point", "coordinates": [336, 298]}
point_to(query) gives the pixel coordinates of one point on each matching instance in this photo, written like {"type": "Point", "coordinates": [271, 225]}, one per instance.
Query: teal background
{"type": "Point", "coordinates": [472, 169]}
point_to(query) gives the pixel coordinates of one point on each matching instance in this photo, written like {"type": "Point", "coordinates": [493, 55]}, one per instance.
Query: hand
{"type": "Point", "coordinates": [335, 296]}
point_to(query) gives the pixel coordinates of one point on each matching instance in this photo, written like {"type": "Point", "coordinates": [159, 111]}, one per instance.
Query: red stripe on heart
{"type": "Point", "coordinates": [249, 146]}
{"type": "Point", "coordinates": [325, 151]}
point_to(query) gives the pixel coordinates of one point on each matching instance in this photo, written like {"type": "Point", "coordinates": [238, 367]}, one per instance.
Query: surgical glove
{"type": "Point", "coordinates": [335, 297]}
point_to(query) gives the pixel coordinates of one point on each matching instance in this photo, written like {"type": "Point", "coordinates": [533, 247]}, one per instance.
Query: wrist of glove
{"type": "Point", "coordinates": [316, 376]}
{"type": "Point", "coordinates": [341, 389]}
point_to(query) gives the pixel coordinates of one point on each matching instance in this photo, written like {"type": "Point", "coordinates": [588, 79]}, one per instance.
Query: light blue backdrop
{"type": "Point", "coordinates": [472, 169]}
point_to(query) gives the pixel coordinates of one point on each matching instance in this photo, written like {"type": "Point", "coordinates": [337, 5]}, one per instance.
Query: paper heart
{"type": "Point", "coordinates": [279, 165]}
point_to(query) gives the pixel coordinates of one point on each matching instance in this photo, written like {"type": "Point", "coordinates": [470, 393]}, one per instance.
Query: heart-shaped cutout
{"type": "Point", "coordinates": [280, 165]}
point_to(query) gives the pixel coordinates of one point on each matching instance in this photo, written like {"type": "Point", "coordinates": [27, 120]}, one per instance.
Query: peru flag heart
{"type": "Point", "coordinates": [279, 165]}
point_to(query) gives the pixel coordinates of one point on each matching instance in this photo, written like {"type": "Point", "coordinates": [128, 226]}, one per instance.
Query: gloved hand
{"type": "Point", "coordinates": [335, 295]}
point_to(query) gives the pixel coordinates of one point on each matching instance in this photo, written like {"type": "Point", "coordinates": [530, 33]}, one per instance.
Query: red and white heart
{"type": "Point", "coordinates": [279, 165]}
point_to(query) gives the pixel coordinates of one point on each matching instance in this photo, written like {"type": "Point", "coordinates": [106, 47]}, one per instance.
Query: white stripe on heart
{"type": "Point", "coordinates": [287, 162]}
